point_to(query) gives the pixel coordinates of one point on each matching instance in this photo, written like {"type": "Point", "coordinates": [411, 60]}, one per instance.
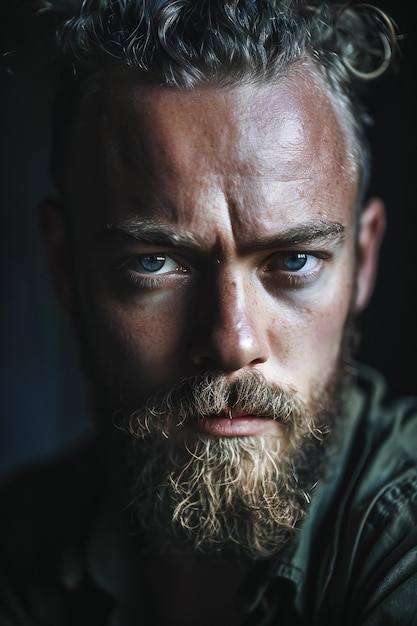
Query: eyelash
{"type": "Point", "coordinates": [146, 281]}
{"type": "Point", "coordinates": [294, 279]}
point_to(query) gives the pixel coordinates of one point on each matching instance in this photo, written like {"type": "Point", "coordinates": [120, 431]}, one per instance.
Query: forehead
{"type": "Point", "coordinates": [138, 144]}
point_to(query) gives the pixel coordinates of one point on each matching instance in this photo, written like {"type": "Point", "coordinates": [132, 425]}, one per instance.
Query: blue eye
{"type": "Point", "coordinates": [155, 263]}
{"type": "Point", "coordinates": [152, 262]}
{"type": "Point", "coordinates": [294, 261]}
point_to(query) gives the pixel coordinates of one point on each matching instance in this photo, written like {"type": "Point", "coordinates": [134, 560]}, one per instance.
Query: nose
{"type": "Point", "coordinates": [232, 329]}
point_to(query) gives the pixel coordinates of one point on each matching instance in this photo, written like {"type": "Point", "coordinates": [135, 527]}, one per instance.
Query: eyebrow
{"type": "Point", "coordinates": [151, 232]}
{"type": "Point", "coordinates": [319, 233]}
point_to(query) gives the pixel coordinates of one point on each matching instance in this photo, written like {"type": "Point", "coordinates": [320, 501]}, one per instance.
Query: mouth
{"type": "Point", "coordinates": [232, 424]}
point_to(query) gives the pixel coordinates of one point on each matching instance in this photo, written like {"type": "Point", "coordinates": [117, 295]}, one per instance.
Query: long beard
{"type": "Point", "coordinates": [242, 495]}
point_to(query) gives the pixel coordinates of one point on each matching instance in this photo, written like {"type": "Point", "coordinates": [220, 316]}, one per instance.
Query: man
{"type": "Point", "coordinates": [213, 243]}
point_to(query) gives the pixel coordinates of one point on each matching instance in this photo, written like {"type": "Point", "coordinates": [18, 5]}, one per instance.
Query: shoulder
{"type": "Point", "coordinates": [374, 561]}
{"type": "Point", "coordinates": [382, 563]}
{"type": "Point", "coordinates": [382, 481]}
{"type": "Point", "coordinates": [387, 441]}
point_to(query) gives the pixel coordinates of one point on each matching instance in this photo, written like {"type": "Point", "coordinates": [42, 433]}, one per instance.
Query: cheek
{"type": "Point", "coordinates": [142, 343]}
{"type": "Point", "coordinates": [327, 325]}
{"type": "Point", "coordinates": [307, 338]}
{"type": "Point", "coordinates": [328, 316]}
{"type": "Point", "coordinates": [148, 333]}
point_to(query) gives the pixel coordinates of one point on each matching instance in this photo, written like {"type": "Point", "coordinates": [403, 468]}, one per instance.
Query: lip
{"type": "Point", "coordinates": [241, 425]}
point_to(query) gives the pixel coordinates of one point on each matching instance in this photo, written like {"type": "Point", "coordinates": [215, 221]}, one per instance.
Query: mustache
{"type": "Point", "coordinates": [212, 394]}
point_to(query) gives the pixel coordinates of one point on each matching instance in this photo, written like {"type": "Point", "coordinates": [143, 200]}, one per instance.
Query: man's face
{"type": "Point", "coordinates": [214, 231]}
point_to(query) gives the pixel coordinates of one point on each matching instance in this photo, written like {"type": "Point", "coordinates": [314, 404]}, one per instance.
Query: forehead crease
{"type": "Point", "coordinates": [248, 155]}
{"type": "Point", "coordinates": [175, 127]}
{"type": "Point", "coordinates": [172, 125]}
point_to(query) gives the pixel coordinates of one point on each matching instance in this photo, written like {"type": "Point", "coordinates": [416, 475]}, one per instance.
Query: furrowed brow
{"type": "Point", "coordinates": [319, 233]}
{"type": "Point", "coordinates": [143, 231]}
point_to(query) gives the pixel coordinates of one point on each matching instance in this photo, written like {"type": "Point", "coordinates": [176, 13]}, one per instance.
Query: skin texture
{"type": "Point", "coordinates": [227, 184]}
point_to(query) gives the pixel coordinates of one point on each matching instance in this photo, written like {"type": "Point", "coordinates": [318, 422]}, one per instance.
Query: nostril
{"type": "Point", "coordinates": [258, 361]}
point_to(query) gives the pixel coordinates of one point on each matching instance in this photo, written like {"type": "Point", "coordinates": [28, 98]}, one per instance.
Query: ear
{"type": "Point", "coordinates": [57, 239]}
{"type": "Point", "coordinates": [371, 231]}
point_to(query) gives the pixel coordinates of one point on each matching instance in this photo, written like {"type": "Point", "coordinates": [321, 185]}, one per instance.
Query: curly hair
{"type": "Point", "coordinates": [185, 43]}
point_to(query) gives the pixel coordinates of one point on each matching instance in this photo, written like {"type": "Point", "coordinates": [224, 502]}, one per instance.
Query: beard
{"type": "Point", "coordinates": [239, 496]}
{"type": "Point", "coordinates": [236, 495]}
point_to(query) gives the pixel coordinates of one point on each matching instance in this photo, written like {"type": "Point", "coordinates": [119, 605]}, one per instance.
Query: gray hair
{"type": "Point", "coordinates": [185, 43]}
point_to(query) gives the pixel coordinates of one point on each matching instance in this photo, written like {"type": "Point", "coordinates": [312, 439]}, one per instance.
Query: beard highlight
{"type": "Point", "coordinates": [242, 495]}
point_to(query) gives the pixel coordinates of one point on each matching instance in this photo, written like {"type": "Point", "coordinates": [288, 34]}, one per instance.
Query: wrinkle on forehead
{"type": "Point", "coordinates": [223, 152]}
{"type": "Point", "coordinates": [246, 116]}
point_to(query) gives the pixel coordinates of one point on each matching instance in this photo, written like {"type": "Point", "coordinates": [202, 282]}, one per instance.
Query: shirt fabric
{"type": "Point", "coordinates": [65, 559]}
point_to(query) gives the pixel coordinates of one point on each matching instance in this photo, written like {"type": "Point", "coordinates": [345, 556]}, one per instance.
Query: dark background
{"type": "Point", "coordinates": [42, 396]}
